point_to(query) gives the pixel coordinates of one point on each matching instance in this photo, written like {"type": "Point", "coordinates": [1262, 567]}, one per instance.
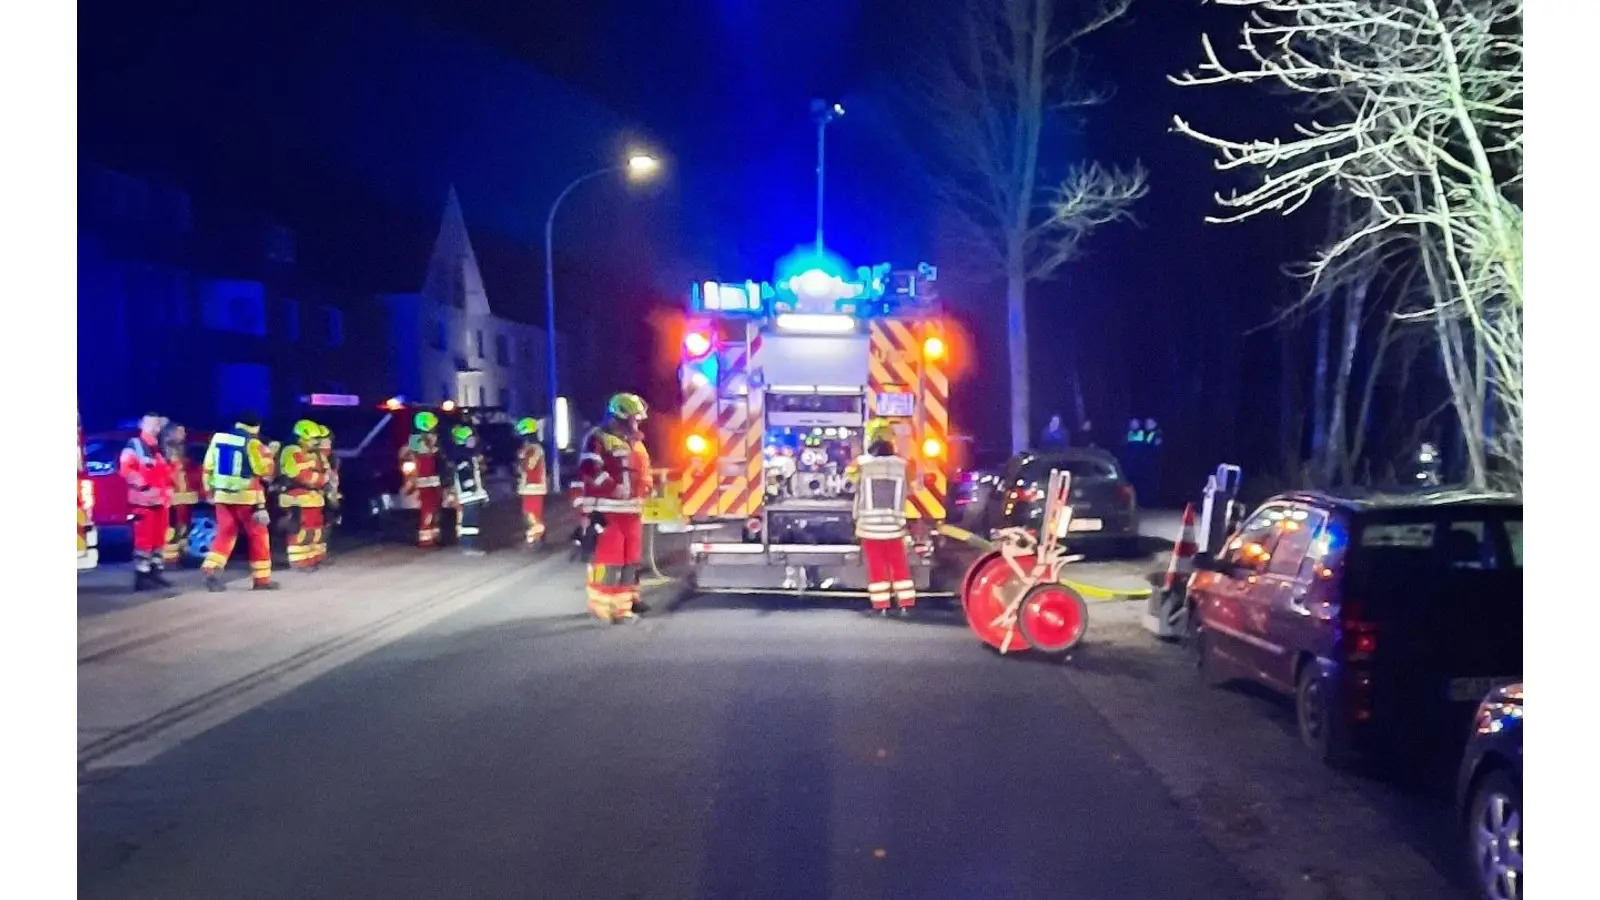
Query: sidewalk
{"type": "Point", "coordinates": [152, 674]}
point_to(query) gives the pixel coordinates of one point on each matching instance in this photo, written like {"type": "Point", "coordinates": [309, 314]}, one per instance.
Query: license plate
{"type": "Point", "coordinates": [1472, 690]}
{"type": "Point", "coordinates": [1086, 525]}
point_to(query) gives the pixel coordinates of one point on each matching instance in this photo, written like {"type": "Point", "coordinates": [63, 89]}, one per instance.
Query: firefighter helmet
{"type": "Point", "coordinates": [880, 430]}
{"type": "Point", "coordinates": [627, 406]}
{"type": "Point", "coordinates": [461, 433]}
{"type": "Point", "coordinates": [425, 421]}
{"type": "Point", "coordinates": [528, 426]}
{"type": "Point", "coordinates": [307, 430]}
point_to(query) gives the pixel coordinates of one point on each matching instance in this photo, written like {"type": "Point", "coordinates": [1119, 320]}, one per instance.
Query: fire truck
{"type": "Point", "coordinates": [88, 536]}
{"type": "Point", "coordinates": [779, 380]}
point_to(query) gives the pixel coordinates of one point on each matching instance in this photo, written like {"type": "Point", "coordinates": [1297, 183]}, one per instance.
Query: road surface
{"type": "Point", "coordinates": [736, 748]}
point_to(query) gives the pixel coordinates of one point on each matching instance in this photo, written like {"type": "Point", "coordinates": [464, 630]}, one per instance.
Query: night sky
{"type": "Point", "coordinates": [303, 107]}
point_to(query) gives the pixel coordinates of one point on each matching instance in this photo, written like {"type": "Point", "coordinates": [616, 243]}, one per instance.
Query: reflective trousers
{"type": "Point", "coordinates": [533, 516]}
{"type": "Point", "coordinates": [613, 584]}
{"type": "Point", "coordinates": [306, 548]}
{"type": "Point", "coordinates": [888, 572]}
{"type": "Point", "coordinates": [232, 519]}
{"type": "Point", "coordinates": [469, 526]}
{"type": "Point", "coordinates": [149, 536]}
{"type": "Point", "coordinates": [429, 502]}
{"type": "Point", "coordinates": [182, 520]}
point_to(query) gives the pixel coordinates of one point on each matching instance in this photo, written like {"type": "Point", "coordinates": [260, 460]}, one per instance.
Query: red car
{"type": "Point", "coordinates": [110, 490]}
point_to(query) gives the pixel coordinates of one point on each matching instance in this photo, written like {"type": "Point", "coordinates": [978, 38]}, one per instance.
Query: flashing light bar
{"type": "Point", "coordinates": [816, 323]}
{"type": "Point", "coordinates": [331, 400]}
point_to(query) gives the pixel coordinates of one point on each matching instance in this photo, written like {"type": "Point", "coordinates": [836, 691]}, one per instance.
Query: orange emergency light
{"type": "Point", "coordinates": [933, 348]}
{"type": "Point", "coordinates": [697, 444]}
{"type": "Point", "coordinates": [696, 344]}
{"type": "Point", "coordinates": [932, 448]}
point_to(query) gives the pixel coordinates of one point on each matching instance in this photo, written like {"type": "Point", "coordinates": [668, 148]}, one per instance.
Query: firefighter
{"type": "Point", "coordinates": [332, 497]}
{"type": "Point", "coordinates": [468, 493]}
{"type": "Point", "coordinates": [185, 493]}
{"type": "Point", "coordinates": [305, 477]}
{"type": "Point", "coordinates": [613, 480]}
{"type": "Point", "coordinates": [531, 481]}
{"type": "Point", "coordinates": [237, 467]}
{"type": "Point", "coordinates": [143, 465]}
{"type": "Point", "coordinates": [419, 472]}
{"type": "Point", "coordinates": [880, 511]}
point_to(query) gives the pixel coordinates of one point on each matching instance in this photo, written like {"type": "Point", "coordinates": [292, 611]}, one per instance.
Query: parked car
{"type": "Point", "coordinates": [1489, 795]}
{"type": "Point", "coordinates": [973, 481]}
{"type": "Point", "coordinates": [1386, 618]}
{"type": "Point", "coordinates": [110, 490]}
{"type": "Point", "coordinates": [1105, 507]}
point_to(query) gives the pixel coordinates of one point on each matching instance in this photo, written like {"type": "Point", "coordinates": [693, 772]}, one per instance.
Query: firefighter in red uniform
{"type": "Point", "coordinates": [185, 493]}
{"type": "Point", "coordinates": [305, 476]}
{"type": "Point", "coordinates": [613, 480]}
{"type": "Point", "coordinates": [531, 482]}
{"type": "Point", "coordinates": [881, 478]}
{"type": "Point", "coordinates": [143, 465]}
{"type": "Point", "coordinates": [419, 472]}
{"type": "Point", "coordinates": [237, 467]}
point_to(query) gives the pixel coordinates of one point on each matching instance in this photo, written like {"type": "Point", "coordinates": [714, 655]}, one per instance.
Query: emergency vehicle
{"type": "Point", "coordinates": [88, 536]}
{"type": "Point", "coordinates": [779, 380]}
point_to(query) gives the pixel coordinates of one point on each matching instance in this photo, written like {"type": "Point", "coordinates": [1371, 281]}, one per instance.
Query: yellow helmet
{"type": "Point", "coordinates": [307, 430]}
{"type": "Point", "coordinates": [880, 430]}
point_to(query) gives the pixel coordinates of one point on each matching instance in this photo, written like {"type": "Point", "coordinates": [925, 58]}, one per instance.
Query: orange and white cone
{"type": "Point", "coordinates": [1183, 553]}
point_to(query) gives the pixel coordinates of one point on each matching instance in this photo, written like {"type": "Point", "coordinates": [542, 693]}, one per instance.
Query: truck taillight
{"type": "Point", "coordinates": [932, 448]}
{"type": "Point", "coordinates": [86, 493]}
{"type": "Point", "coordinates": [697, 444]}
{"type": "Point", "coordinates": [933, 348]}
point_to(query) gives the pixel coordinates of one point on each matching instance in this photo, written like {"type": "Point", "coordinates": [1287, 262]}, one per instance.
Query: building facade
{"type": "Point", "coordinates": [447, 343]}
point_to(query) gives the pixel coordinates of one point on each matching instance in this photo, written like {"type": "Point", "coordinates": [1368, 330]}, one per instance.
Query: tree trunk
{"type": "Point", "coordinates": [1319, 393]}
{"type": "Point", "coordinates": [1355, 304]}
{"type": "Point", "coordinates": [1017, 346]}
{"type": "Point", "coordinates": [1358, 439]}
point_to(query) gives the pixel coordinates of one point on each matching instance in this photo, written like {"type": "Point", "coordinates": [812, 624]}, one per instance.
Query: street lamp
{"type": "Point", "coordinates": [638, 166]}
{"type": "Point", "coordinates": [823, 113]}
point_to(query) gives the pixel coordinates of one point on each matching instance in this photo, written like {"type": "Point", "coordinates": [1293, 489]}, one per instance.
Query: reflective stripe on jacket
{"type": "Point", "coordinates": [146, 472]}
{"type": "Point", "coordinates": [306, 477]}
{"type": "Point", "coordinates": [880, 503]}
{"type": "Point", "coordinates": [530, 471]}
{"type": "Point", "coordinates": [236, 463]}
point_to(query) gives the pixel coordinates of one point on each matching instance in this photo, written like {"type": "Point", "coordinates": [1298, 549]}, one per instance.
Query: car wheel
{"type": "Point", "coordinates": [1314, 715]}
{"type": "Point", "coordinates": [1494, 837]}
{"type": "Point", "coordinates": [202, 534]}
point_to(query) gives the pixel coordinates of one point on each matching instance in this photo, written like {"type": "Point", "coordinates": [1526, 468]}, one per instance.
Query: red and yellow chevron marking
{"type": "Point", "coordinates": [732, 422]}
{"type": "Point", "coordinates": [699, 415]}
{"type": "Point", "coordinates": [755, 426]}
{"type": "Point", "coordinates": [897, 365]}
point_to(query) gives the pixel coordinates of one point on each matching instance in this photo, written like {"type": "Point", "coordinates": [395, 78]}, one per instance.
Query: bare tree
{"type": "Point", "coordinates": [1418, 115]}
{"type": "Point", "coordinates": [1005, 73]}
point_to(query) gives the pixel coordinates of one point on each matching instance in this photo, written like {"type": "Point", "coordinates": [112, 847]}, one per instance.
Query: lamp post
{"type": "Point", "coordinates": [638, 166]}
{"type": "Point", "coordinates": [823, 113]}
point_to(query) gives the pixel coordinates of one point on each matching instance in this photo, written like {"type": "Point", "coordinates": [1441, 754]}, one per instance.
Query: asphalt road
{"type": "Point", "coordinates": [729, 750]}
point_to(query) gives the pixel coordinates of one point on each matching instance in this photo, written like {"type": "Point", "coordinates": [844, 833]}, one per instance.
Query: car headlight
{"type": "Point", "coordinates": [1502, 707]}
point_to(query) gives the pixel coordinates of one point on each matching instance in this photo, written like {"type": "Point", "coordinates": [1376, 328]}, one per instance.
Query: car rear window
{"type": "Point", "coordinates": [1454, 563]}
{"type": "Point", "coordinates": [1077, 467]}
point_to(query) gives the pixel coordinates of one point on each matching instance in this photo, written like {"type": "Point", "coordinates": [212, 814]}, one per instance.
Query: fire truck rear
{"type": "Point", "coordinates": [778, 382]}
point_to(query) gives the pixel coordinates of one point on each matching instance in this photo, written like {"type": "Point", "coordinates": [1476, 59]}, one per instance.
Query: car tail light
{"type": "Point", "coordinates": [1027, 495]}
{"type": "Point", "coordinates": [1360, 636]}
{"type": "Point", "coordinates": [1126, 494]}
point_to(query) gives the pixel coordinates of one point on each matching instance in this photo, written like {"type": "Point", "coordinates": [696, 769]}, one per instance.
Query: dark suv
{"type": "Point", "coordinates": [1387, 618]}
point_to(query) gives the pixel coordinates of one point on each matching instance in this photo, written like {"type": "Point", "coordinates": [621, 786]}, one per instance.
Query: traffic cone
{"type": "Point", "coordinates": [1183, 553]}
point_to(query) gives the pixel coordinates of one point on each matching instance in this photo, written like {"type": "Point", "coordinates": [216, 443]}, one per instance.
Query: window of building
{"type": "Point", "coordinates": [502, 350]}
{"type": "Point", "coordinates": [234, 306]}
{"type": "Point", "coordinates": [335, 323]}
{"type": "Point", "coordinates": [278, 244]}
{"type": "Point", "coordinates": [291, 320]}
{"type": "Point", "coordinates": [441, 335]}
{"type": "Point", "coordinates": [505, 399]}
{"type": "Point", "coordinates": [478, 336]}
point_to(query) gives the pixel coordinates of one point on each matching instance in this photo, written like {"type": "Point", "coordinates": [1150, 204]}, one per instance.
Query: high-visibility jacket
{"type": "Point", "coordinates": [419, 465]}
{"type": "Point", "coordinates": [613, 474]}
{"type": "Point", "coordinates": [304, 470]}
{"type": "Point", "coordinates": [144, 467]}
{"type": "Point", "coordinates": [330, 466]}
{"type": "Point", "coordinates": [236, 467]}
{"type": "Point", "coordinates": [880, 502]}
{"type": "Point", "coordinates": [185, 483]}
{"type": "Point", "coordinates": [467, 472]}
{"type": "Point", "coordinates": [530, 470]}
